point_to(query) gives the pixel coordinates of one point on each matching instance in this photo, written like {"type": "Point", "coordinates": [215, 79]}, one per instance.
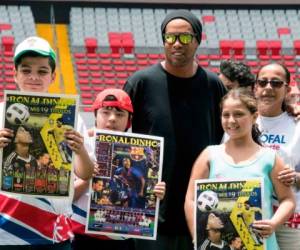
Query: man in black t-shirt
{"type": "Point", "coordinates": [178, 100]}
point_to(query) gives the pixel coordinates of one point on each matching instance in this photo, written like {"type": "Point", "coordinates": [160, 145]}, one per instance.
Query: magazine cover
{"type": "Point", "coordinates": [122, 202]}
{"type": "Point", "coordinates": [225, 211]}
{"type": "Point", "coordinates": [38, 161]}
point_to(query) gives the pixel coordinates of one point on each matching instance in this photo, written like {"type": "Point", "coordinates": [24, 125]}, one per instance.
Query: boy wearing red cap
{"type": "Point", "coordinates": [113, 111]}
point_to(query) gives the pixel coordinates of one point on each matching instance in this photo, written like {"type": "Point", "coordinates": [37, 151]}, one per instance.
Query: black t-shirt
{"type": "Point", "coordinates": [185, 111]}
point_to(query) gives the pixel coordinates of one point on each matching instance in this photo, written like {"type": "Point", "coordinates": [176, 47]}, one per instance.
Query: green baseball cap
{"type": "Point", "coordinates": [34, 44]}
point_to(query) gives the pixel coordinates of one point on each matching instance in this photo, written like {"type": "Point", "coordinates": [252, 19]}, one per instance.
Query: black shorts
{"type": "Point", "coordinates": [84, 241]}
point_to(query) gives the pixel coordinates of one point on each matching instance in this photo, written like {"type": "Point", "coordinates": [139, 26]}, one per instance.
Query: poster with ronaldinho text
{"type": "Point", "coordinates": [38, 161]}
{"type": "Point", "coordinates": [224, 214]}
{"type": "Point", "coordinates": [122, 202]}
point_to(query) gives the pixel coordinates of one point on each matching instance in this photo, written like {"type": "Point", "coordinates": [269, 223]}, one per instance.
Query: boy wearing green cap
{"type": "Point", "coordinates": [35, 223]}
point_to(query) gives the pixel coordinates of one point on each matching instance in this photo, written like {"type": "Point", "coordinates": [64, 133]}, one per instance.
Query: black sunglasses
{"type": "Point", "coordinates": [183, 38]}
{"type": "Point", "coordinates": [275, 83]}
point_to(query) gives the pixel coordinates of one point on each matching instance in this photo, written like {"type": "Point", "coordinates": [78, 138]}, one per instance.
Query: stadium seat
{"type": "Point", "coordinates": [91, 44]}
{"type": "Point", "coordinates": [7, 43]}
{"type": "Point", "coordinates": [297, 47]}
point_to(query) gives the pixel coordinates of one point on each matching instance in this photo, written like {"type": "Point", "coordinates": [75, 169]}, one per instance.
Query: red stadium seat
{"type": "Point", "coordinates": [283, 31]}
{"type": "Point", "coordinates": [81, 61]}
{"type": "Point", "coordinates": [275, 47]}
{"type": "Point", "coordinates": [96, 74]}
{"type": "Point", "coordinates": [96, 68]}
{"type": "Point", "coordinates": [252, 63]}
{"type": "Point", "coordinates": [297, 47]}
{"type": "Point", "coordinates": [214, 57]}
{"type": "Point", "coordinates": [91, 55]}
{"type": "Point", "coordinates": [115, 56]}
{"type": "Point", "coordinates": [202, 57]}
{"type": "Point", "coordinates": [87, 101]}
{"type": "Point", "coordinates": [109, 81]}
{"type": "Point", "coordinates": [142, 62]}
{"type": "Point", "coordinates": [203, 63]}
{"type": "Point", "coordinates": [117, 62]}
{"type": "Point", "coordinates": [83, 81]}
{"type": "Point", "coordinates": [91, 44]}
{"type": "Point", "coordinates": [276, 57]}
{"type": "Point", "coordinates": [92, 61]}
{"type": "Point", "coordinates": [8, 43]}
{"type": "Point", "coordinates": [127, 42]}
{"type": "Point", "coordinates": [8, 53]}
{"type": "Point", "coordinates": [131, 68]}
{"type": "Point", "coordinates": [83, 74]}
{"type": "Point", "coordinates": [119, 68]}
{"type": "Point", "coordinates": [105, 62]}
{"type": "Point", "coordinates": [154, 56]}
{"type": "Point", "coordinates": [225, 46]}
{"type": "Point", "coordinates": [225, 57]}
{"type": "Point", "coordinates": [208, 19]}
{"type": "Point", "coordinates": [288, 57]}
{"type": "Point", "coordinates": [121, 82]}
{"type": "Point", "coordinates": [97, 81]}
{"type": "Point", "coordinates": [10, 86]}
{"type": "Point", "coordinates": [141, 56]}
{"type": "Point", "coordinates": [87, 109]}
{"type": "Point", "coordinates": [79, 55]}
{"type": "Point", "coordinates": [87, 95]}
{"type": "Point", "coordinates": [109, 74]}
{"type": "Point", "coordinates": [129, 62]}
{"type": "Point", "coordinates": [262, 47]}
{"type": "Point", "coordinates": [239, 57]}
{"type": "Point", "coordinates": [104, 55]}
{"type": "Point", "coordinates": [122, 75]}
{"type": "Point", "coordinates": [5, 26]}
{"type": "Point", "coordinates": [85, 88]}
{"type": "Point", "coordinates": [98, 89]}
{"type": "Point", "coordinates": [81, 67]}
{"type": "Point", "coordinates": [107, 68]}
{"type": "Point", "coordinates": [238, 47]}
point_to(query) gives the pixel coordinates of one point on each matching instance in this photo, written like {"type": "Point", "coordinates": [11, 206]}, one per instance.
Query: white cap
{"type": "Point", "coordinates": [34, 44]}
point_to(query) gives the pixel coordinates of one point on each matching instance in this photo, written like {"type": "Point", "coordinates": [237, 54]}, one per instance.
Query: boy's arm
{"type": "Point", "coordinates": [80, 187]}
{"type": "Point", "coordinates": [5, 137]}
{"type": "Point", "coordinates": [83, 164]}
{"type": "Point", "coordinates": [160, 190]}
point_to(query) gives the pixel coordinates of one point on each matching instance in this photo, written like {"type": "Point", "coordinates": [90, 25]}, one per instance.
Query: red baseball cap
{"type": "Point", "coordinates": [123, 100]}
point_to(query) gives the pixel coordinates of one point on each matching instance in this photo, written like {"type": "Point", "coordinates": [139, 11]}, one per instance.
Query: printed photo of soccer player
{"type": "Point", "coordinates": [58, 132]}
{"type": "Point", "coordinates": [248, 214]}
{"type": "Point", "coordinates": [43, 160]}
{"type": "Point", "coordinates": [20, 163]}
{"type": "Point", "coordinates": [133, 178]}
{"type": "Point", "coordinates": [214, 231]}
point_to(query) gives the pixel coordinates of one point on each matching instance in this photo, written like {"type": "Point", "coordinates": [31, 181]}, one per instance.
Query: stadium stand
{"type": "Point", "coordinates": [130, 39]}
{"type": "Point", "coordinates": [16, 23]}
{"type": "Point", "coordinates": [102, 46]}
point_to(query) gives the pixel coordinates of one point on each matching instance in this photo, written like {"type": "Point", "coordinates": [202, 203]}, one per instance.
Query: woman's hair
{"type": "Point", "coordinates": [237, 71]}
{"type": "Point", "coordinates": [247, 98]}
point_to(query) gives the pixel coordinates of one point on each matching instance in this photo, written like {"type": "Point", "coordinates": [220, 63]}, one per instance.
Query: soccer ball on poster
{"type": "Point", "coordinates": [207, 201]}
{"type": "Point", "coordinates": [17, 114]}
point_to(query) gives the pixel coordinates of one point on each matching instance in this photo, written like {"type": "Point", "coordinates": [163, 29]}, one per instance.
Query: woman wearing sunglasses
{"type": "Point", "coordinates": [282, 133]}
